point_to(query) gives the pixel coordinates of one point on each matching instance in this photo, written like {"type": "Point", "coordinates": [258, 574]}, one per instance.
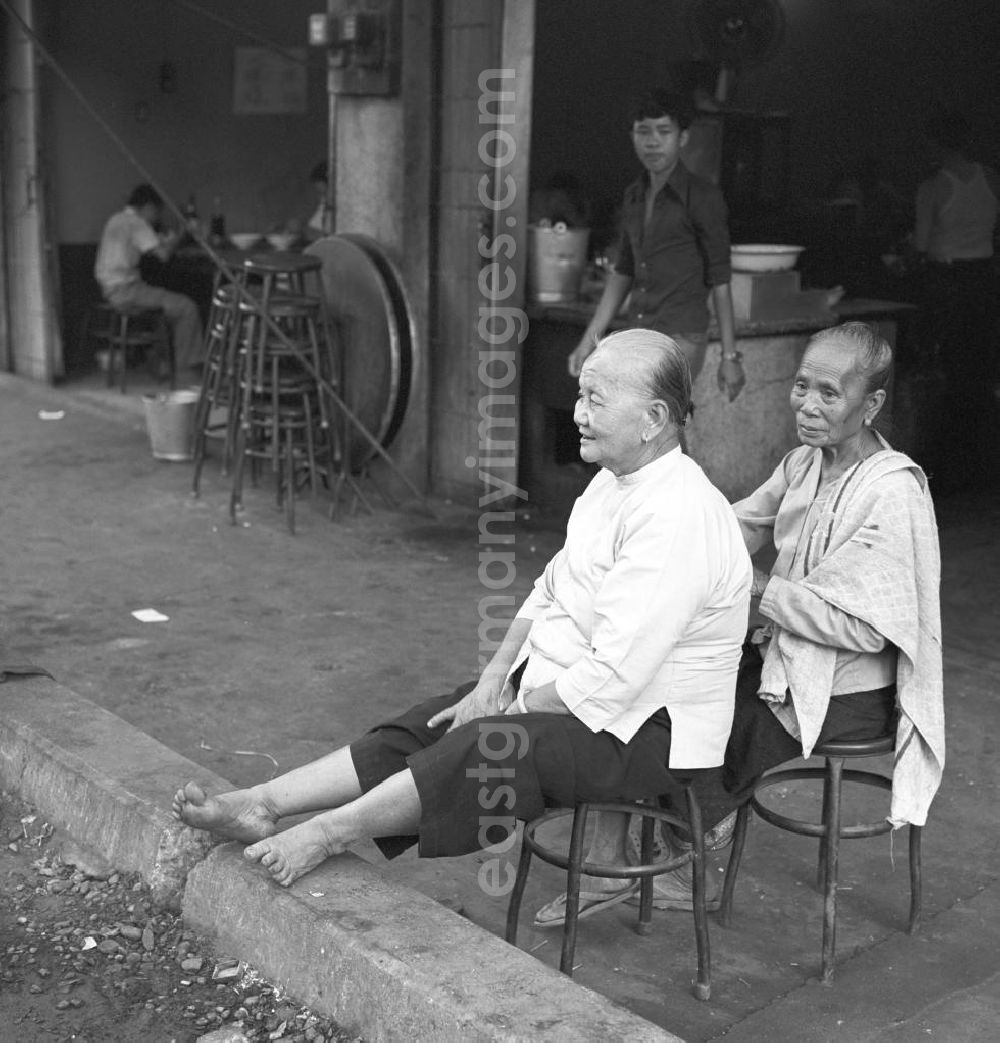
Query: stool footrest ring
{"type": "Point", "coordinates": [818, 829]}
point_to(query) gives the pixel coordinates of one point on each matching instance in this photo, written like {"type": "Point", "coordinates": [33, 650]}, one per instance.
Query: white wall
{"type": "Point", "coordinates": [112, 50]}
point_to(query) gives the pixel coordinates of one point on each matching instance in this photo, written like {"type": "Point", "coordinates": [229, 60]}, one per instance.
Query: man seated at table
{"type": "Point", "coordinates": [615, 680]}
{"type": "Point", "coordinates": [128, 236]}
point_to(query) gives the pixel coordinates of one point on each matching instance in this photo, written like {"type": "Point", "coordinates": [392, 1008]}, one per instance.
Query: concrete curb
{"type": "Point", "coordinates": [382, 959]}
{"type": "Point", "coordinates": [392, 963]}
{"type": "Point", "coordinates": [99, 779]}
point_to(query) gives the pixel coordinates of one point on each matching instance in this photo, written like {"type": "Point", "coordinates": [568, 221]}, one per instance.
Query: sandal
{"type": "Point", "coordinates": [591, 902]}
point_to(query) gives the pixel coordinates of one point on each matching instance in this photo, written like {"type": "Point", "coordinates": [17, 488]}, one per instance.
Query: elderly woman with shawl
{"type": "Point", "coordinates": [850, 646]}
{"type": "Point", "coordinates": [851, 642]}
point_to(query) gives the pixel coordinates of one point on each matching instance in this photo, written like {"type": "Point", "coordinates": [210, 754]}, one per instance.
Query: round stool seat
{"type": "Point", "coordinates": [282, 262]}
{"type": "Point", "coordinates": [298, 306]}
{"type": "Point", "coordinates": [856, 747]}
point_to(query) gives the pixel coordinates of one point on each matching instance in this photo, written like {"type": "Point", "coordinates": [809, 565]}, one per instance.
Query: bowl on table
{"type": "Point", "coordinates": [764, 257]}
{"type": "Point", "coordinates": [281, 240]}
{"type": "Point", "coordinates": [244, 240]}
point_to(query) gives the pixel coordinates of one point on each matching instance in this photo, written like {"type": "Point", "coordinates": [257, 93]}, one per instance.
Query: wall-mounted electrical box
{"type": "Point", "coordinates": [363, 38]}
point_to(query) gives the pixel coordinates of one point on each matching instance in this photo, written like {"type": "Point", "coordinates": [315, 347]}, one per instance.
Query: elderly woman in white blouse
{"type": "Point", "coordinates": [615, 680]}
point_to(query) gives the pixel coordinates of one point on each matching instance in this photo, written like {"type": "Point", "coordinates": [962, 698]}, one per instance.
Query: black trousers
{"type": "Point", "coordinates": [758, 742]}
{"type": "Point", "coordinates": [474, 781]}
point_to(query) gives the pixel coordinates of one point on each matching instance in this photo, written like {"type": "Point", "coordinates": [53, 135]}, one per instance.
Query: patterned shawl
{"type": "Point", "coordinates": [876, 557]}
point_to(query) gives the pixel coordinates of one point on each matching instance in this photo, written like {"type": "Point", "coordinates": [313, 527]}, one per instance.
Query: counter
{"type": "Point", "coordinates": [737, 443]}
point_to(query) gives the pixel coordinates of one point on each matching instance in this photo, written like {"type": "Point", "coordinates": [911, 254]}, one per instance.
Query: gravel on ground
{"type": "Point", "coordinates": [86, 955]}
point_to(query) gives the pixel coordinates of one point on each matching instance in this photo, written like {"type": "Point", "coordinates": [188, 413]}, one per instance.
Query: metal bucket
{"type": "Point", "coordinates": [170, 422]}
{"type": "Point", "coordinates": [557, 257]}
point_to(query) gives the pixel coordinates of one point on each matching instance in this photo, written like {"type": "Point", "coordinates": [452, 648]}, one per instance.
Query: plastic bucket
{"type": "Point", "coordinates": [557, 257]}
{"type": "Point", "coordinates": [170, 422]}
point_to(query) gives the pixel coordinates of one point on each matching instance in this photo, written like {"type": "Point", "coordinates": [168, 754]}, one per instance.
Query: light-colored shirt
{"type": "Point", "coordinates": [645, 607]}
{"type": "Point", "coordinates": [786, 508]}
{"type": "Point", "coordinates": [956, 217]}
{"type": "Point", "coordinates": [321, 220]}
{"type": "Point", "coordinates": [126, 237]}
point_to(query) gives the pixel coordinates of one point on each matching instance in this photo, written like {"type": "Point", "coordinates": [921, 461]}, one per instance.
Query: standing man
{"type": "Point", "coordinates": [321, 222]}
{"type": "Point", "coordinates": [673, 248]}
{"type": "Point", "coordinates": [956, 219]}
{"type": "Point", "coordinates": [128, 236]}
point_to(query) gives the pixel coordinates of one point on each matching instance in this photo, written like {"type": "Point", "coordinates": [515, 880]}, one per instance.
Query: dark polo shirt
{"type": "Point", "coordinates": [679, 256]}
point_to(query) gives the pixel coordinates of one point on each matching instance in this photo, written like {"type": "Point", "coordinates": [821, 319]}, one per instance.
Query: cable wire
{"type": "Point", "coordinates": [241, 31]}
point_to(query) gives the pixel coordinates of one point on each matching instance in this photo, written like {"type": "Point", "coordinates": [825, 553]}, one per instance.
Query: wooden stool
{"type": "Point", "coordinates": [284, 274]}
{"type": "Point", "coordinates": [284, 413]}
{"type": "Point", "coordinates": [97, 324]}
{"type": "Point", "coordinates": [287, 436]}
{"type": "Point", "coordinates": [575, 865]}
{"type": "Point", "coordinates": [830, 831]}
{"type": "Point", "coordinates": [136, 327]}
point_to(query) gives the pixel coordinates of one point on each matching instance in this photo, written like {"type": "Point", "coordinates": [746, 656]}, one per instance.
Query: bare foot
{"type": "Point", "coordinates": [236, 816]}
{"type": "Point", "coordinates": [294, 852]}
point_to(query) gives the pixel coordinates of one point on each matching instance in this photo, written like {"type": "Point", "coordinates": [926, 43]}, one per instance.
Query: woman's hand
{"type": "Point", "coordinates": [760, 579]}
{"type": "Point", "coordinates": [541, 700]}
{"type": "Point", "coordinates": [488, 699]}
{"type": "Point", "coordinates": [731, 377]}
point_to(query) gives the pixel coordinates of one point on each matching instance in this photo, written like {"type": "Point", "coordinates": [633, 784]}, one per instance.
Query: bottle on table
{"type": "Point", "coordinates": [217, 224]}
{"type": "Point", "coordinates": [191, 217]}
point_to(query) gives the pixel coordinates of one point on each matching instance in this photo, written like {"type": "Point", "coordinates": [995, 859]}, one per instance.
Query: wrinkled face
{"type": "Point", "coordinates": [829, 398]}
{"type": "Point", "coordinates": [658, 143]}
{"type": "Point", "coordinates": [612, 413]}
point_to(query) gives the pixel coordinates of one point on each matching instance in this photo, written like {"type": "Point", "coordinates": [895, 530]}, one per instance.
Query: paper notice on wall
{"type": "Point", "coordinates": [268, 83]}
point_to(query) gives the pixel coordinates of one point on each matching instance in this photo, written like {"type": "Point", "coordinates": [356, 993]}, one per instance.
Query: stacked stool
{"type": "Point", "coordinates": [218, 384]}
{"type": "Point", "coordinates": [284, 413]}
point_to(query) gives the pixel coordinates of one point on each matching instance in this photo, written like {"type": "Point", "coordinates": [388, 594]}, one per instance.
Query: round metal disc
{"type": "Point", "coordinates": [373, 333]}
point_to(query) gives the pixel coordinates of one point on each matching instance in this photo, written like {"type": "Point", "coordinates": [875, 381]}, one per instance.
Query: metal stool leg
{"type": "Point", "coordinates": [118, 351]}
{"type": "Point", "coordinates": [824, 818]}
{"type": "Point", "coordinates": [916, 883]}
{"type": "Point", "coordinates": [209, 391]}
{"type": "Point", "coordinates": [290, 477]}
{"type": "Point", "coordinates": [573, 875]}
{"type": "Point", "coordinates": [725, 913]}
{"type": "Point", "coordinates": [517, 895]}
{"type": "Point", "coordinates": [646, 887]}
{"type": "Point", "coordinates": [239, 453]}
{"type": "Point", "coordinates": [831, 839]}
{"type": "Point", "coordinates": [703, 984]}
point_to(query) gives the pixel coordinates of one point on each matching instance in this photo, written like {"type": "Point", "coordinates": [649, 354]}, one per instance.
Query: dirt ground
{"type": "Point", "coordinates": [85, 955]}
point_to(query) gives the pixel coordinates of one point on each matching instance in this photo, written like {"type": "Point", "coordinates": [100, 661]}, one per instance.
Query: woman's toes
{"type": "Point", "coordinates": [254, 852]}
{"type": "Point", "coordinates": [192, 793]}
